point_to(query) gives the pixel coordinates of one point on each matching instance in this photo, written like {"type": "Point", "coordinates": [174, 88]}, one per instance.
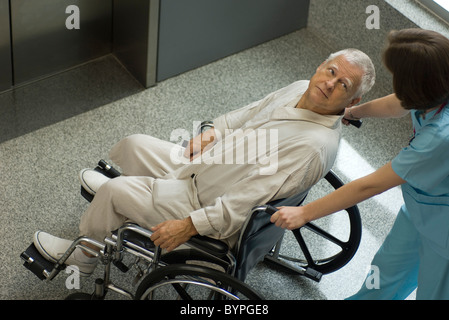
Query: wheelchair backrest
{"type": "Point", "coordinates": [259, 236]}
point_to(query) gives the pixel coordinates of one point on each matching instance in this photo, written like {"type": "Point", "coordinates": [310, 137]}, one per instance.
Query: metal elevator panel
{"type": "Point", "coordinates": [42, 43]}
{"type": "Point", "coordinates": [136, 24]}
{"type": "Point", "coordinates": [5, 47]}
{"type": "Point", "coordinates": [193, 33]}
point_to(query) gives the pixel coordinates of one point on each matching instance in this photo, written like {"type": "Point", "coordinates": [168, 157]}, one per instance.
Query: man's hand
{"type": "Point", "coordinates": [200, 144]}
{"type": "Point", "coordinates": [172, 233]}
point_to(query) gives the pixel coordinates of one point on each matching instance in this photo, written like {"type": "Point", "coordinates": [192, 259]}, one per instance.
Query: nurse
{"type": "Point", "coordinates": [415, 253]}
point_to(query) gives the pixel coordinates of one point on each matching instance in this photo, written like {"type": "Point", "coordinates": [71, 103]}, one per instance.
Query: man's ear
{"type": "Point", "coordinates": [354, 102]}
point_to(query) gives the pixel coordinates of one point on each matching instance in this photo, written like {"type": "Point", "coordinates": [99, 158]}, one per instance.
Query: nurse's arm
{"type": "Point", "coordinates": [345, 197]}
{"type": "Point", "coordinates": [385, 107]}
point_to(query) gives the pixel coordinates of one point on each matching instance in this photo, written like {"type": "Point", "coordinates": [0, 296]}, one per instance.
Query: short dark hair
{"type": "Point", "coordinates": [419, 62]}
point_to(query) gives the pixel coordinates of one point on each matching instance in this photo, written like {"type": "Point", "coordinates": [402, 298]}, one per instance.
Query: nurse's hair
{"type": "Point", "coordinates": [419, 62]}
{"type": "Point", "coordinates": [364, 62]}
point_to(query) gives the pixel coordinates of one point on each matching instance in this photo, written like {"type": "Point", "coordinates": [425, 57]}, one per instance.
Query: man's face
{"type": "Point", "coordinates": [334, 85]}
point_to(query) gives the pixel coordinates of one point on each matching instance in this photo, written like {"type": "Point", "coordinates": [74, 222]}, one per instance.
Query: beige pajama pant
{"type": "Point", "coordinates": [129, 197]}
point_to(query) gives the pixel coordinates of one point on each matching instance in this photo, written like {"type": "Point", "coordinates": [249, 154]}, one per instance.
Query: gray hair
{"type": "Point", "coordinates": [363, 61]}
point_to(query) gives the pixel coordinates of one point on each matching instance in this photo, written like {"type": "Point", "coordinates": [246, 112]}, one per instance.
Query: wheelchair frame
{"type": "Point", "coordinates": [266, 242]}
{"type": "Point", "coordinates": [259, 240]}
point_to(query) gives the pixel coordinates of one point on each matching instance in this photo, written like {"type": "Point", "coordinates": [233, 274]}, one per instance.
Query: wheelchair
{"type": "Point", "coordinates": [205, 268]}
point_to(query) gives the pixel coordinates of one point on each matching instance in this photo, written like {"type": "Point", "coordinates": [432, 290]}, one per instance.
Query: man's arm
{"type": "Point", "coordinates": [233, 120]}
{"type": "Point", "coordinates": [200, 144]}
{"type": "Point", "coordinates": [236, 118]}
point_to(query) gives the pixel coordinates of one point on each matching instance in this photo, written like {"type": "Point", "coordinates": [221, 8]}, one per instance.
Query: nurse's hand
{"type": "Point", "coordinates": [289, 218]}
{"type": "Point", "coordinates": [348, 116]}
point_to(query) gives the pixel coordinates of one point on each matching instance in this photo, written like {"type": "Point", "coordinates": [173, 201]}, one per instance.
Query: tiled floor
{"type": "Point", "coordinates": [51, 129]}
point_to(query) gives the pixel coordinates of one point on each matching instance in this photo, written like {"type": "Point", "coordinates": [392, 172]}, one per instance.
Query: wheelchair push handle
{"type": "Point", "coordinates": [271, 210]}
{"type": "Point", "coordinates": [355, 123]}
{"type": "Point", "coordinates": [266, 208]}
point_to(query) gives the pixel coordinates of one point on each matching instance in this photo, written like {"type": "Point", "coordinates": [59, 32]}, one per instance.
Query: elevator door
{"type": "Point", "coordinates": [5, 47]}
{"type": "Point", "coordinates": [49, 36]}
{"type": "Point", "coordinates": [193, 33]}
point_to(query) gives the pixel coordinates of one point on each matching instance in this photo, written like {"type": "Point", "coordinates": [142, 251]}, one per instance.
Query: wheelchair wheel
{"type": "Point", "coordinates": [333, 262]}
{"type": "Point", "coordinates": [344, 249]}
{"type": "Point", "coordinates": [192, 282]}
{"type": "Point", "coordinates": [326, 244]}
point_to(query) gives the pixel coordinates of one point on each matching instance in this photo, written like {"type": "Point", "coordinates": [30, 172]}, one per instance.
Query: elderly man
{"type": "Point", "coordinates": [224, 173]}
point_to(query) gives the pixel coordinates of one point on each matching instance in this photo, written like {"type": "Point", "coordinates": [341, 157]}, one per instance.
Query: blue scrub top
{"type": "Point", "coordinates": [424, 165]}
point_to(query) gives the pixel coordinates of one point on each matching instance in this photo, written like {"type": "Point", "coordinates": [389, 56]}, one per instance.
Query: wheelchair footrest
{"type": "Point", "coordinates": [105, 169]}
{"type": "Point", "coordinates": [36, 263]}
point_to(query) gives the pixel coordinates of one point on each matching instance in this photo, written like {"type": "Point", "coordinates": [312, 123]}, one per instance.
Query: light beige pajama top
{"type": "Point", "coordinates": [267, 150]}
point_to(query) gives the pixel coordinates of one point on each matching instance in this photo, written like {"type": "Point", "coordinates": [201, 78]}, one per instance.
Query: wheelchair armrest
{"type": "Point", "coordinates": [130, 232]}
{"type": "Point", "coordinates": [212, 246]}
